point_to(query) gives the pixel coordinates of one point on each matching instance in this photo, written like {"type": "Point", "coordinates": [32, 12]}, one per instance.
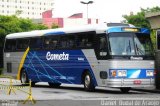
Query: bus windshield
{"type": "Point", "coordinates": [130, 44]}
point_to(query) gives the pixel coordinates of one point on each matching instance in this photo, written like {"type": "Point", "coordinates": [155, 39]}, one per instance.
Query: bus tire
{"type": "Point", "coordinates": [24, 77]}
{"type": "Point", "coordinates": [88, 82]}
{"type": "Point", "coordinates": [54, 85]}
{"type": "Point", "coordinates": [125, 90]}
{"type": "Point", "coordinates": [33, 84]}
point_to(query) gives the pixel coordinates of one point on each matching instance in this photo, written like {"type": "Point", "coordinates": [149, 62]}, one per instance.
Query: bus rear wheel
{"type": "Point", "coordinates": [125, 90]}
{"type": "Point", "coordinates": [54, 85]}
{"type": "Point", "coordinates": [24, 78]}
{"type": "Point", "coordinates": [88, 82]}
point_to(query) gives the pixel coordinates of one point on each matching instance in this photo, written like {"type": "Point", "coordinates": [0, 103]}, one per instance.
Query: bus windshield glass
{"type": "Point", "coordinates": [135, 44]}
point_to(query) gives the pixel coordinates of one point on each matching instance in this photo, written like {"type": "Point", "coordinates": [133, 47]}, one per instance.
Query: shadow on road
{"type": "Point", "coordinates": [97, 90]}
{"type": "Point", "coordinates": [146, 90]}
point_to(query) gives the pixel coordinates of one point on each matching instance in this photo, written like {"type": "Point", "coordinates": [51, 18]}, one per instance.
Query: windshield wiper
{"type": "Point", "coordinates": [139, 51]}
{"type": "Point", "coordinates": [128, 49]}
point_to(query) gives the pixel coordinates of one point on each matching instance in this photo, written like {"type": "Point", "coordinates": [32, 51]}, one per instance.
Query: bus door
{"type": "Point", "coordinates": [102, 56]}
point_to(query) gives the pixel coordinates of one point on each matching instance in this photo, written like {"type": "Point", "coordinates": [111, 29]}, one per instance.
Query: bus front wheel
{"type": "Point", "coordinates": [88, 82]}
{"type": "Point", "coordinates": [24, 78]}
{"type": "Point", "coordinates": [125, 90]}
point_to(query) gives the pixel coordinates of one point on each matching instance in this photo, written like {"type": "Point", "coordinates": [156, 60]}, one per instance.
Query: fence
{"type": "Point", "coordinates": [11, 88]}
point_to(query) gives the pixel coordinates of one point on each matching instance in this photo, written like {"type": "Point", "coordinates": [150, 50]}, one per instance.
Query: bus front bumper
{"type": "Point", "coordinates": [130, 82]}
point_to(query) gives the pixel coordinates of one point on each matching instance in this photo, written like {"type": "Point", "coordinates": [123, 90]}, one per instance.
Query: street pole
{"type": "Point", "coordinates": [87, 3]}
{"type": "Point", "coordinates": [87, 11]}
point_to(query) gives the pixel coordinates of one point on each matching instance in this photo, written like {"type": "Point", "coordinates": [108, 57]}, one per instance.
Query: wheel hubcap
{"type": "Point", "coordinates": [23, 77]}
{"type": "Point", "coordinates": [87, 81]}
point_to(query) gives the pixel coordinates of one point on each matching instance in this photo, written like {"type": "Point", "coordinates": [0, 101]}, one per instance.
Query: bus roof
{"type": "Point", "coordinates": [98, 28]}
{"type": "Point", "coordinates": [53, 31]}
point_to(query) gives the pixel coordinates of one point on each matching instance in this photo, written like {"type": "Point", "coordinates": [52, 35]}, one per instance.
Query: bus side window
{"type": "Point", "coordinates": [22, 44]}
{"type": "Point", "coordinates": [85, 40]}
{"type": "Point", "coordinates": [36, 43]}
{"type": "Point", "coordinates": [103, 46]}
{"type": "Point", "coordinates": [50, 42]}
{"type": "Point", "coordinates": [67, 41]}
{"type": "Point", "coordinates": [63, 42]}
{"type": "Point", "coordinates": [53, 43]}
{"type": "Point", "coordinates": [10, 45]}
{"type": "Point", "coordinates": [71, 41]}
{"type": "Point", "coordinates": [46, 43]}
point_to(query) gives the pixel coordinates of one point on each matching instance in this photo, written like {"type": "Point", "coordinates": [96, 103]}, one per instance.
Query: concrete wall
{"type": "Point", "coordinates": [154, 19]}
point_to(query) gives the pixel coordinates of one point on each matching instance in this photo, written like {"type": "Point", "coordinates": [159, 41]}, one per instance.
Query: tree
{"type": "Point", "coordinates": [54, 26]}
{"type": "Point", "coordinates": [13, 24]}
{"type": "Point", "coordinates": [18, 12]}
{"type": "Point", "coordinates": [139, 20]}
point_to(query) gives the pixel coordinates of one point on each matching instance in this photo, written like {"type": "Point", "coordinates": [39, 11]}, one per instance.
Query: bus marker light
{"type": "Point", "coordinates": [155, 72]}
{"type": "Point", "coordinates": [149, 73]}
{"type": "Point", "coordinates": [114, 73]}
{"type": "Point", "coordinates": [137, 82]}
{"type": "Point", "coordinates": [122, 73]}
{"type": "Point", "coordinates": [131, 29]}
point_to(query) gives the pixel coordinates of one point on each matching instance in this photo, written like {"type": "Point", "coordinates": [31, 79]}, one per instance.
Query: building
{"type": "Point", "coordinates": [41, 11]}
{"type": "Point", "coordinates": [25, 8]}
{"type": "Point", "coordinates": [154, 19]}
{"type": "Point", "coordinates": [67, 22]}
{"type": "Point", "coordinates": [73, 20]}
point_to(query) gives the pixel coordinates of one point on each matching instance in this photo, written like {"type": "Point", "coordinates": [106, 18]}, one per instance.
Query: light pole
{"type": "Point", "coordinates": [87, 3]}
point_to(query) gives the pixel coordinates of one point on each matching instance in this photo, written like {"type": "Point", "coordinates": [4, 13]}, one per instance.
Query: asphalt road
{"type": "Point", "coordinates": [74, 95]}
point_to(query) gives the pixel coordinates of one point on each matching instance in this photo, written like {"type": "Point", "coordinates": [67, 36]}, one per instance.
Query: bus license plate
{"type": "Point", "coordinates": [137, 82]}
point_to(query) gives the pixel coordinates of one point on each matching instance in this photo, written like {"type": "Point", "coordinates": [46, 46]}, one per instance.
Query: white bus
{"type": "Point", "coordinates": [106, 55]}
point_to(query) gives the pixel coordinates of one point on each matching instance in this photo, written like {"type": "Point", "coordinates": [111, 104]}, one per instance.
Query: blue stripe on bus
{"type": "Point", "coordinates": [118, 29]}
{"type": "Point", "coordinates": [133, 73]}
{"type": "Point", "coordinates": [144, 30]}
{"type": "Point", "coordinates": [55, 33]}
{"type": "Point", "coordinates": [39, 69]}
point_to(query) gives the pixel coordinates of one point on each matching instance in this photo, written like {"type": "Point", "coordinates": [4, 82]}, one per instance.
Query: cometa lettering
{"type": "Point", "coordinates": [63, 56]}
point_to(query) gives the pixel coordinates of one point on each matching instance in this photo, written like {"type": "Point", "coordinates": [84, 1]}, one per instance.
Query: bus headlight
{"type": "Point", "coordinates": [149, 73]}
{"type": "Point", "coordinates": [122, 73]}
{"type": "Point", "coordinates": [113, 73]}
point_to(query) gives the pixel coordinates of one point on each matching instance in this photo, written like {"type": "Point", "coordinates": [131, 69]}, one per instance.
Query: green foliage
{"type": "Point", "coordinates": [18, 12]}
{"type": "Point", "coordinates": [13, 24]}
{"type": "Point", "coordinates": [139, 20]}
{"type": "Point", "coordinates": [54, 26]}
{"type": "Point", "coordinates": [153, 38]}
{"type": "Point", "coordinates": [154, 9]}
{"type": "Point", "coordinates": [28, 25]}
{"type": "Point", "coordinates": [39, 27]}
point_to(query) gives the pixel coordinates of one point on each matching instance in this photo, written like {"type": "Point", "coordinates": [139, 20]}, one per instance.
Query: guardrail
{"type": "Point", "coordinates": [11, 88]}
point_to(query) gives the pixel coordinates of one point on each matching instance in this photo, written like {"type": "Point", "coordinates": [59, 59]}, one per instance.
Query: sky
{"type": "Point", "coordinates": [104, 10]}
